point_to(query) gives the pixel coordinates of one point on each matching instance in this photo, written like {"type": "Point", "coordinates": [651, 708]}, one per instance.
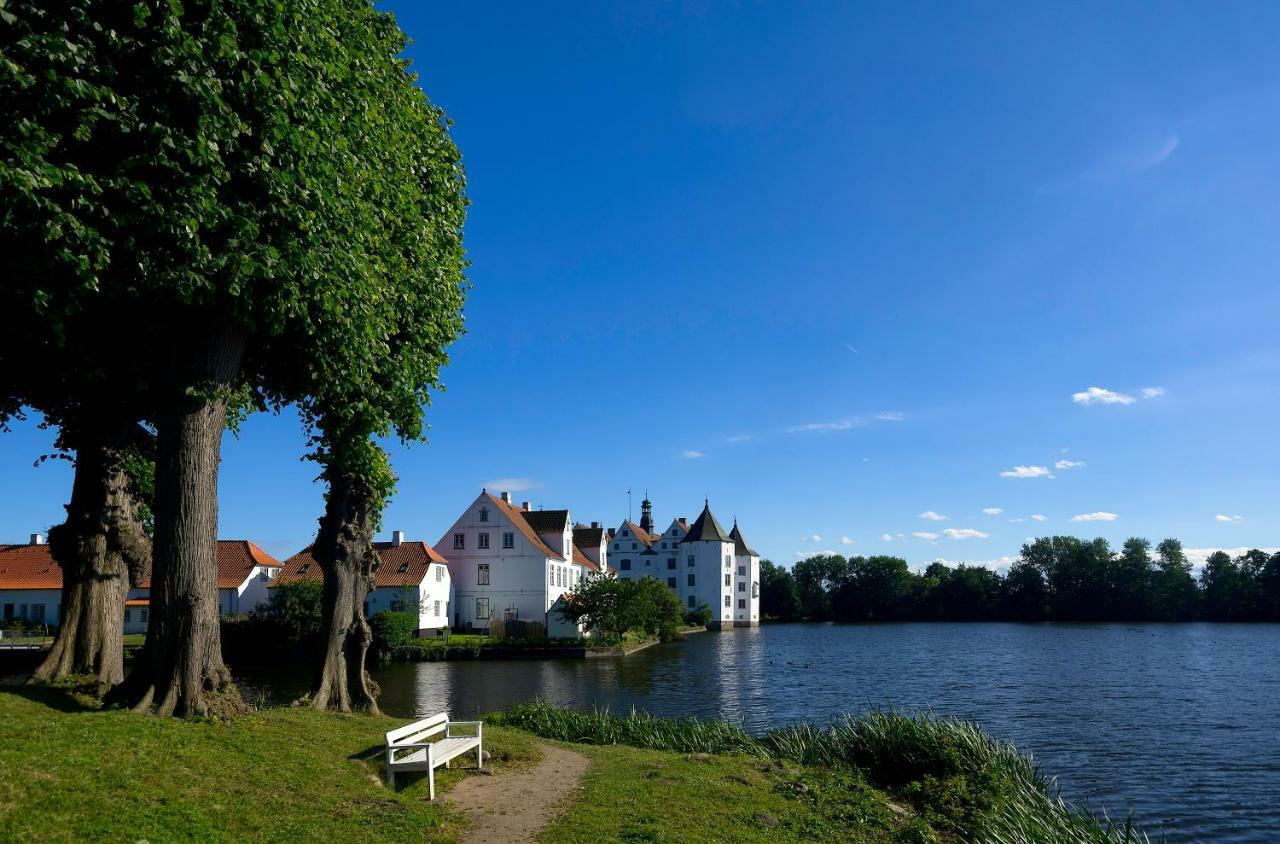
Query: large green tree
{"type": "Point", "coordinates": [186, 170]}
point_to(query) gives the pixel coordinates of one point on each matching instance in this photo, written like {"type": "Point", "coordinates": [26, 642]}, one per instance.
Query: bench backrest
{"type": "Point", "coordinates": [419, 730]}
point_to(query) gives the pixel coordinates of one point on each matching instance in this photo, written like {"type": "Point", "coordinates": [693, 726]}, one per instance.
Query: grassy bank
{"type": "Point", "coordinates": [955, 780]}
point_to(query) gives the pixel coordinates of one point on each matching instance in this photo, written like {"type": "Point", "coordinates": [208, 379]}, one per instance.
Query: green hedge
{"type": "Point", "coordinates": [392, 630]}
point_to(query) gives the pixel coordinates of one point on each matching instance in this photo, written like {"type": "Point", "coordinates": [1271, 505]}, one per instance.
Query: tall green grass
{"type": "Point", "coordinates": [982, 788]}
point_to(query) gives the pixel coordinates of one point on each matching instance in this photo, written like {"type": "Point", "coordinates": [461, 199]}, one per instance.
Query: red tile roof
{"type": "Point", "coordinates": [32, 566]}
{"type": "Point", "coordinates": [516, 516]}
{"type": "Point", "coordinates": [138, 602]}
{"type": "Point", "coordinates": [641, 534]}
{"type": "Point", "coordinates": [405, 564]}
{"type": "Point", "coordinates": [583, 560]}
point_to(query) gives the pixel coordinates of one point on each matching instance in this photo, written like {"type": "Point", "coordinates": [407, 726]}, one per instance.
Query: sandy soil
{"type": "Point", "coordinates": [515, 807]}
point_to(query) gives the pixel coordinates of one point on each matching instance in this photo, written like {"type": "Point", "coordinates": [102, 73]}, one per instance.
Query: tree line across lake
{"type": "Point", "coordinates": [1059, 578]}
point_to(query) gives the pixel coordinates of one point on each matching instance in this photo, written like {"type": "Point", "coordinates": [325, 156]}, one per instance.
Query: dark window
{"type": "Point", "coordinates": [459, 541]}
{"type": "Point", "coordinates": [484, 517]}
{"type": "Point", "coordinates": [403, 567]}
{"type": "Point", "coordinates": [671, 581]}
{"type": "Point", "coordinates": [482, 575]}
{"type": "Point", "coordinates": [508, 540]}
{"type": "Point", "coordinates": [693, 603]}
{"type": "Point", "coordinates": [633, 546]}
{"type": "Point", "coordinates": [397, 606]}
{"type": "Point", "coordinates": [690, 578]}
{"type": "Point", "coordinates": [726, 580]}
{"type": "Point", "coordinates": [671, 562]}
{"type": "Point", "coordinates": [726, 600]}
{"type": "Point", "coordinates": [626, 565]}
{"type": "Point", "coordinates": [482, 540]}
{"type": "Point", "coordinates": [742, 603]}
{"type": "Point", "coordinates": [37, 612]}
{"type": "Point", "coordinates": [664, 545]}
{"type": "Point", "coordinates": [482, 609]}
{"type": "Point", "coordinates": [692, 560]}
{"type": "Point", "coordinates": [128, 616]}
{"type": "Point", "coordinates": [742, 571]}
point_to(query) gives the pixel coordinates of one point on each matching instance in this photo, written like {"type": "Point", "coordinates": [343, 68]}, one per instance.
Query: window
{"type": "Point", "coordinates": [693, 603]}
{"type": "Point", "coordinates": [482, 575]}
{"type": "Point", "coordinates": [482, 609]}
{"type": "Point", "coordinates": [459, 541]}
{"type": "Point", "coordinates": [8, 611]}
{"type": "Point", "coordinates": [742, 603]}
{"type": "Point", "coordinates": [742, 571]}
{"type": "Point", "coordinates": [664, 545]}
{"type": "Point", "coordinates": [726, 600]}
{"type": "Point", "coordinates": [671, 581]}
{"type": "Point", "coordinates": [128, 616]}
{"type": "Point", "coordinates": [37, 612]}
{"type": "Point", "coordinates": [691, 578]}
{"type": "Point", "coordinates": [755, 590]}
{"type": "Point", "coordinates": [437, 609]}
{"type": "Point", "coordinates": [726, 580]}
{"type": "Point", "coordinates": [692, 560]}
{"type": "Point", "coordinates": [742, 586]}
{"type": "Point", "coordinates": [482, 539]}
{"type": "Point", "coordinates": [484, 517]}
{"type": "Point", "coordinates": [439, 573]}
{"type": "Point", "coordinates": [671, 562]}
{"type": "Point", "coordinates": [624, 532]}
{"type": "Point", "coordinates": [404, 567]}
{"type": "Point", "coordinates": [728, 562]}
{"type": "Point", "coordinates": [633, 546]}
{"type": "Point", "coordinates": [626, 565]}
{"type": "Point", "coordinates": [142, 615]}
{"type": "Point", "coordinates": [617, 546]}
{"type": "Point", "coordinates": [551, 576]}
{"type": "Point", "coordinates": [397, 606]}
{"type": "Point", "coordinates": [508, 540]}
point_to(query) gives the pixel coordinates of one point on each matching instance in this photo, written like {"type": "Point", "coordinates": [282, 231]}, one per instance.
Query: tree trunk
{"type": "Point", "coordinates": [344, 549]}
{"type": "Point", "coordinates": [102, 551]}
{"type": "Point", "coordinates": [181, 672]}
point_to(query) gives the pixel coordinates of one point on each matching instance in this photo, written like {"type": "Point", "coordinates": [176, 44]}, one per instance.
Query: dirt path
{"type": "Point", "coordinates": [516, 807]}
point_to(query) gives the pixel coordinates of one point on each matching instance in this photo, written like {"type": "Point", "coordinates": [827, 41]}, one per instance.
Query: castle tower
{"type": "Point", "coordinates": [646, 514]}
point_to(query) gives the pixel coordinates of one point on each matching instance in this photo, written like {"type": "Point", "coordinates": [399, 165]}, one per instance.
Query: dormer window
{"type": "Point", "coordinates": [484, 514]}
{"type": "Point", "coordinates": [459, 541]}
{"type": "Point", "coordinates": [304, 568]}
{"type": "Point", "coordinates": [404, 567]}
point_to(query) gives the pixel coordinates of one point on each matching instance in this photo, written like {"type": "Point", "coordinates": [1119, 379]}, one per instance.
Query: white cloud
{"type": "Point", "coordinates": [1100, 516]}
{"type": "Point", "coordinates": [1224, 518]}
{"type": "Point", "coordinates": [1015, 521]}
{"type": "Point", "coordinates": [690, 454]}
{"type": "Point", "coordinates": [1069, 464]}
{"type": "Point", "coordinates": [813, 537]}
{"type": "Point", "coordinates": [511, 484]}
{"type": "Point", "coordinates": [1199, 556]}
{"type": "Point", "coordinates": [998, 564]}
{"type": "Point", "coordinates": [825, 427]}
{"type": "Point", "coordinates": [1152, 392]}
{"type": "Point", "coordinates": [891, 416]}
{"type": "Point", "coordinates": [844, 540]}
{"type": "Point", "coordinates": [964, 533]}
{"type": "Point", "coordinates": [1039, 517]}
{"type": "Point", "coordinates": [739, 438]}
{"type": "Point", "coordinates": [924, 534]}
{"type": "Point", "coordinates": [1027, 472]}
{"type": "Point", "coordinates": [886, 537]}
{"type": "Point", "coordinates": [992, 511]}
{"type": "Point", "coordinates": [1164, 153]}
{"type": "Point", "coordinates": [1098, 395]}
{"type": "Point", "coordinates": [825, 552]}
{"type": "Point", "coordinates": [931, 516]}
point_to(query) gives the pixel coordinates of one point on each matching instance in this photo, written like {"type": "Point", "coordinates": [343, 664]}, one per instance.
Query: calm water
{"type": "Point", "coordinates": [1181, 723]}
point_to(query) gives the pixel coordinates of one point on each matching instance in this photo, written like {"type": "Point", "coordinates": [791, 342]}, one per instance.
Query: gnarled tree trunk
{"type": "Point", "coordinates": [102, 551]}
{"type": "Point", "coordinates": [344, 549]}
{"type": "Point", "coordinates": [182, 672]}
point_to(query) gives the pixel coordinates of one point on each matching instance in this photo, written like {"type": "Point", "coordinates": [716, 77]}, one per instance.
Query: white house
{"type": "Point", "coordinates": [410, 575]}
{"type": "Point", "coordinates": [701, 562]}
{"type": "Point", "coordinates": [512, 562]}
{"type": "Point", "coordinates": [31, 583]}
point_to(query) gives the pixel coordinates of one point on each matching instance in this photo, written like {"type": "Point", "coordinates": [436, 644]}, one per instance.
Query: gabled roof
{"type": "Point", "coordinates": [32, 566]}
{"type": "Point", "coordinates": [588, 537]}
{"type": "Point", "coordinates": [405, 564]}
{"type": "Point", "coordinates": [546, 521]}
{"type": "Point", "coordinates": [517, 517]}
{"type": "Point", "coordinates": [28, 567]}
{"type": "Point", "coordinates": [640, 533]}
{"type": "Point", "coordinates": [705, 528]}
{"type": "Point", "coordinates": [741, 548]}
{"type": "Point", "coordinates": [583, 560]}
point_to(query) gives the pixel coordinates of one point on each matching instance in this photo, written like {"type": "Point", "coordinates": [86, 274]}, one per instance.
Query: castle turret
{"type": "Point", "coordinates": [646, 514]}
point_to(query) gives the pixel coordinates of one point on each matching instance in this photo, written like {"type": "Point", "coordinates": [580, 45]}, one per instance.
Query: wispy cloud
{"type": "Point", "coordinates": [690, 454]}
{"type": "Point", "coordinates": [1100, 395]}
{"type": "Point", "coordinates": [826, 427]}
{"type": "Point", "coordinates": [1039, 517]}
{"type": "Point", "coordinates": [886, 537]}
{"type": "Point", "coordinates": [511, 484]}
{"type": "Point", "coordinates": [852, 349]}
{"type": "Point", "coordinates": [964, 533]}
{"type": "Point", "coordinates": [1225, 518]}
{"type": "Point", "coordinates": [1199, 556]}
{"type": "Point", "coordinates": [891, 416]}
{"type": "Point", "coordinates": [925, 534]}
{"type": "Point", "coordinates": [1027, 472]}
{"type": "Point", "coordinates": [931, 516]}
{"type": "Point", "coordinates": [844, 540]}
{"type": "Point", "coordinates": [825, 552]}
{"type": "Point", "coordinates": [1164, 153]}
{"type": "Point", "coordinates": [1152, 392]}
{"type": "Point", "coordinates": [992, 511]}
{"type": "Point", "coordinates": [813, 537]}
{"type": "Point", "coordinates": [1100, 516]}
{"type": "Point", "coordinates": [1069, 464]}
{"type": "Point", "coordinates": [740, 438]}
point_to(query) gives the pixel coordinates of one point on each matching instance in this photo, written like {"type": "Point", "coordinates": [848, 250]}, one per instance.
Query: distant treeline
{"type": "Point", "coordinates": [1058, 578]}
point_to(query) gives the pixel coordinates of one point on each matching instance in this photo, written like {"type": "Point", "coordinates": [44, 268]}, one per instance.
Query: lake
{"type": "Point", "coordinates": [1179, 722]}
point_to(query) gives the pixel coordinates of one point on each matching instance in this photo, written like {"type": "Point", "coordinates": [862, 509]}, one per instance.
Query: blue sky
{"type": "Point", "coordinates": [836, 266]}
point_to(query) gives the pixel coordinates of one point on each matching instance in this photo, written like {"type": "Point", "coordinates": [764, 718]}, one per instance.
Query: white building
{"type": "Point", "coordinates": [699, 561]}
{"type": "Point", "coordinates": [513, 562]}
{"type": "Point", "coordinates": [31, 583]}
{"type": "Point", "coordinates": [410, 576]}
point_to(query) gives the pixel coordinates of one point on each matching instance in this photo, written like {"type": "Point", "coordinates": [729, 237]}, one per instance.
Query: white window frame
{"type": "Point", "coordinates": [482, 574]}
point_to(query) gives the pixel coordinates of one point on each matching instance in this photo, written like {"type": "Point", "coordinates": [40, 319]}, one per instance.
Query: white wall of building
{"type": "Point", "coordinates": [43, 605]}
{"type": "Point", "coordinates": [746, 585]}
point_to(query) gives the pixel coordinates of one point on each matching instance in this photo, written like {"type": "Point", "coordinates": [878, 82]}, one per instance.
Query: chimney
{"type": "Point", "coordinates": [506, 496]}
{"type": "Point", "coordinates": [397, 537]}
{"type": "Point", "coordinates": [526, 506]}
{"type": "Point", "coordinates": [595, 524]}
{"type": "Point", "coordinates": [37, 539]}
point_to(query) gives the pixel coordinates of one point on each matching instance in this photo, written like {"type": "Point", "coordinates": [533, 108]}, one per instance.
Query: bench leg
{"type": "Point", "coordinates": [431, 783]}
{"type": "Point", "coordinates": [480, 755]}
{"type": "Point", "coordinates": [391, 778]}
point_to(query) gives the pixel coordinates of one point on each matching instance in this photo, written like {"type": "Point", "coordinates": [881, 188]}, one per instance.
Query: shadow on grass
{"type": "Point", "coordinates": [61, 698]}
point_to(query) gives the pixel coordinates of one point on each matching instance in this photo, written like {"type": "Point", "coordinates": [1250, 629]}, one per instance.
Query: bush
{"type": "Point", "coordinates": [700, 617]}
{"type": "Point", "coordinates": [296, 609]}
{"type": "Point", "coordinates": [392, 629]}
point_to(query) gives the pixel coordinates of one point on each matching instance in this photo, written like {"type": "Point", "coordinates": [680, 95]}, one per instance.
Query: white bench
{"type": "Point", "coordinates": [408, 749]}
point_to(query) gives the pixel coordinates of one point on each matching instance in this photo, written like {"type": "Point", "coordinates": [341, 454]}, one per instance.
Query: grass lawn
{"type": "Point", "coordinates": [71, 773]}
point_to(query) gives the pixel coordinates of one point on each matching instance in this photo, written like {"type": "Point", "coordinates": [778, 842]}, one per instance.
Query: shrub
{"type": "Point", "coordinates": [295, 608]}
{"type": "Point", "coordinates": [700, 617]}
{"type": "Point", "coordinates": [392, 629]}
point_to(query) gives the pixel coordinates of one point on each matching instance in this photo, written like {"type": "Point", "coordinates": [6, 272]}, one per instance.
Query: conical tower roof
{"type": "Point", "coordinates": [706, 529]}
{"type": "Point", "coordinates": [741, 548]}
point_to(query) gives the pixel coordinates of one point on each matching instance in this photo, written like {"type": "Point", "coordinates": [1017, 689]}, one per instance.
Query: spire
{"type": "Point", "coordinates": [741, 548]}
{"type": "Point", "coordinates": [646, 513]}
{"type": "Point", "coordinates": [706, 529]}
